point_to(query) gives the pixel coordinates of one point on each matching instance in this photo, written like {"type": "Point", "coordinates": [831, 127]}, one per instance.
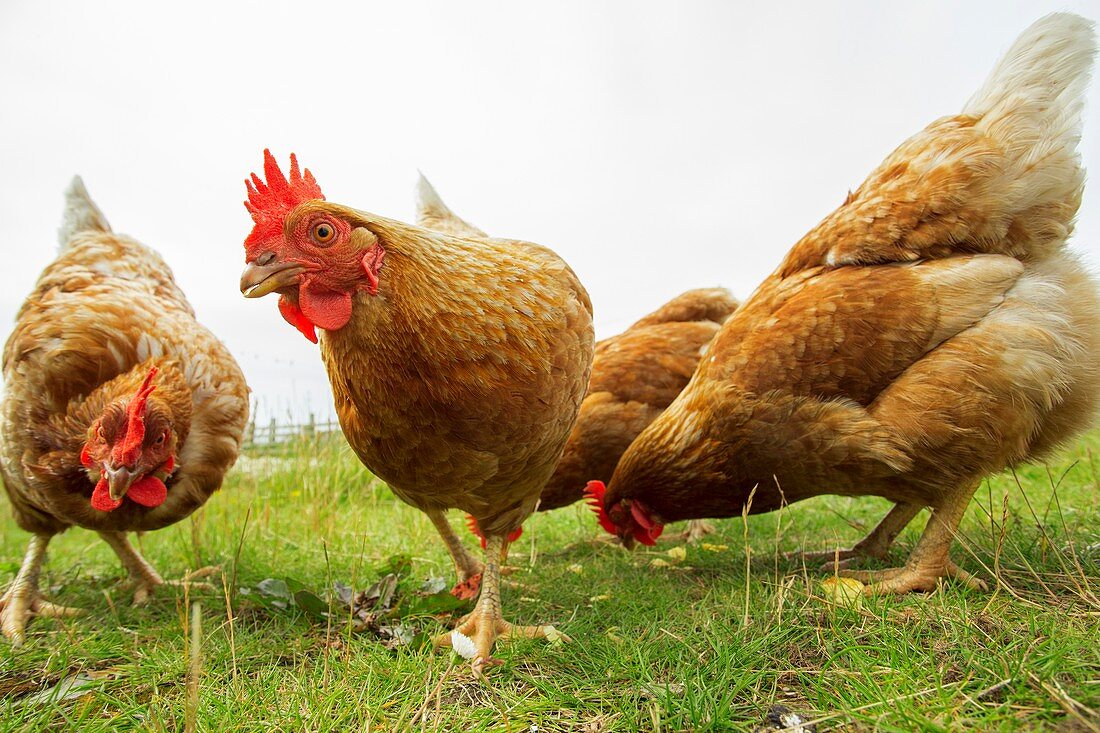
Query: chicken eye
{"type": "Point", "coordinates": [160, 439]}
{"type": "Point", "coordinates": [323, 233]}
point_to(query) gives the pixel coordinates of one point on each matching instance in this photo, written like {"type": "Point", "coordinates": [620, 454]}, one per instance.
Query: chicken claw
{"type": "Point", "coordinates": [144, 576]}
{"type": "Point", "coordinates": [913, 578]}
{"type": "Point", "coordinates": [875, 545]}
{"type": "Point", "coordinates": [23, 599]}
{"type": "Point", "coordinates": [696, 530]}
{"type": "Point", "coordinates": [929, 560]}
{"type": "Point", "coordinates": [485, 624]}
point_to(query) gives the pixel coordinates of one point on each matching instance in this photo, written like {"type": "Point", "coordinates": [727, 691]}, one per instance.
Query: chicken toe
{"type": "Point", "coordinates": [696, 530]}
{"type": "Point", "coordinates": [929, 560]}
{"type": "Point", "coordinates": [144, 577]}
{"type": "Point", "coordinates": [23, 599]}
{"type": "Point", "coordinates": [485, 624]}
{"type": "Point", "coordinates": [875, 545]}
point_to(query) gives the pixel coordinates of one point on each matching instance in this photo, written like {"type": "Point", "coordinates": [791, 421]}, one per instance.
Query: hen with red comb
{"type": "Point", "coordinates": [120, 412]}
{"type": "Point", "coordinates": [933, 329]}
{"type": "Point", "coordinates": [457, 361]}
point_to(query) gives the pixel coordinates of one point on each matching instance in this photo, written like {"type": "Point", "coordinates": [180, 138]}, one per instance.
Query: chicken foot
{"type": "Point", "coordinates": [696, 530]}
{"type": "Point", "coordinates": [144, 576]}
{"type": "Point", "coordinates": [485, 624]}
{"type": "Point", "coordinates": [929, 560]}
{"type": "Point", "coordinates": [875, 545]}
{"type": "Point", "coordinates": [23, 598]}
{"type": "Point", "coordinates": [468, 568]}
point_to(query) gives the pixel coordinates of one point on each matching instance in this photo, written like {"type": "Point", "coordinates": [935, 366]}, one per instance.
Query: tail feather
{"type": "Point", "coordinates": [80, 215]}
{"type": "Point", "coordinates": [1004, 177]}
{"type": "Point", "coordinates": [1032, 105]}
{"type": "Point", "coordinates": [432, 213]}
{"type": "Point", "coordinates": [428, 200]}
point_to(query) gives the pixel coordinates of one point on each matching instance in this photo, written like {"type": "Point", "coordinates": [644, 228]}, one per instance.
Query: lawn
{"type": "Point", "coordinates": [707, 641]}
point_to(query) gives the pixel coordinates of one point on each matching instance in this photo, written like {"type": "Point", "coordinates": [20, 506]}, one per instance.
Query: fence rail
{"type": "Point", "coordinates": [274, 432]}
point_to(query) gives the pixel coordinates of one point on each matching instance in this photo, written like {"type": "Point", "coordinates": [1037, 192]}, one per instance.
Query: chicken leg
{"type": "Point", "coordinates": [876, 544]}
{"type": "Point", "coordinates": [929, 560]}
{"type": "Point", "coordinates": [485, 624]}
{"type": "Point", "coordinates": [23, 598]}
{"type": "Point", "coordinates": [467, 567]}
{"type": "Point", "coordinates": [144, 576]}
{"type": "Point", "coordinates": [696, 530]}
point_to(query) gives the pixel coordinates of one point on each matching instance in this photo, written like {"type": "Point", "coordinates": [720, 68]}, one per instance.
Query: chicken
{"type": "Point", "coordinates": [458, 363]}
{"type": "Point", "coordinates": [931, 330]}
{"type": "Point", "coordinates": [120, 412]}
{"type": "Point", "coordinates": [635, 375]}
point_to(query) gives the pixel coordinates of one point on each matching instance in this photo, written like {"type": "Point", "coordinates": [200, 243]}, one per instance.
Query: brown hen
{"type": "Point", "coordinates": [458, 362]}
{"type": "Point", "coordinates": [930, 331]}
{"type": "Point", "coordinates": [120, 414]}
{"type": "Point", "coordinates": [635, 376]}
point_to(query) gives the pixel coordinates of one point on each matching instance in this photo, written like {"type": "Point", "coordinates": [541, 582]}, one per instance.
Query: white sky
{"type": "Point", "coordinates": [656, 146]}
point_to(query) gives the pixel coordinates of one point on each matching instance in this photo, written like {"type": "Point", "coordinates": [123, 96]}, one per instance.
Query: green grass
{"type": "Point", "coordinates": [706, 644]}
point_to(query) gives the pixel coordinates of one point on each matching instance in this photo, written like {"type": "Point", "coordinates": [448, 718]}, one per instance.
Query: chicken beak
{"type": "Point", "coordinates": [258, 280]}
{"type": "Point", "coordinates": [119, 481]}
{"type": "Point", "coordinates": [628, 541]}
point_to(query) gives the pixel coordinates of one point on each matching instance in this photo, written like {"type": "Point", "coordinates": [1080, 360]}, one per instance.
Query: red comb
{"type": "Point", "coordinates": [594, 493]}
{"type": "Point", "coordinates": [127, 453]}
{"type": "Point", "coordinates": [270, 202]}
{"type": "Point", "coordinates": [471, 523]}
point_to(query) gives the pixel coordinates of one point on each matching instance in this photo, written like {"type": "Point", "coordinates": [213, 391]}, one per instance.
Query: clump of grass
{"type": "Point", "coordinates": [707, 642]}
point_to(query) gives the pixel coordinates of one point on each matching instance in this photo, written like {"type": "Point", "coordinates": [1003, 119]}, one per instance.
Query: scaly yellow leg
{"type": "Point", "coordinates": [485, 624]}
{"type": "Point", "coordinates": [23, 599]}
{"type": "Point", "coordinates": [876, 544]}
{"type": "Point", "coordinates": [929, 560]}
{"type": "Point", "coordinates": [144, 576]}
{"type": "Point", "coordinates": [467, 567]}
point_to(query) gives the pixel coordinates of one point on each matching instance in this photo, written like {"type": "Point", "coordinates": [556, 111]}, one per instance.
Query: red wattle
{"type": "Point", "coordinates": [646, 530]}
{"type": "Point", "coordinates": [148, 491]}
{"type": "Point", "coordinates": [101, 498]}
{"type": "Point", "coordinates": [293, 315]}
{"type": "Point", "coordinates": [327, 309]}
{"type": "Point", "coordinates": [594, 493]}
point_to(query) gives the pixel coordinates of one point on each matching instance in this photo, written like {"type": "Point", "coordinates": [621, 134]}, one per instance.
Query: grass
{"type": "Point", "coordinates": [708, 643]}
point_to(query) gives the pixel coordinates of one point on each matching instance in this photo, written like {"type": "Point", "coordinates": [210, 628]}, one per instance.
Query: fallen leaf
{"type": "Point", "coordinates": [677, 554]}
{"type": "Point", "coordinates": [653, 690]}
{"type": "Point", "coordinates": [714, 548]}
{"type": "Point", "coordinates": [575, 568]}
{"type": "Point", "coordinates": [847, 592]}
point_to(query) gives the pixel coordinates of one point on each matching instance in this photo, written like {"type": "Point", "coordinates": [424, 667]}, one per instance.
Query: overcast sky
{"type": "Point", "coordinates": [656, 146]}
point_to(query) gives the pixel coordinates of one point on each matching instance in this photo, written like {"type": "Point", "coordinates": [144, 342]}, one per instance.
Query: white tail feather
{"type": "Point", "coordinates": [428, 200]}
{"type": "Point", "coordinates": [80, 215]}
{"type": "Point", "coordinates": [432, 213]}
{"type": "Point", "coordinates": [1032, 105]}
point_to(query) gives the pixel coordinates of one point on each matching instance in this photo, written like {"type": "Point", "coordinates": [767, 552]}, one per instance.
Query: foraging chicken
{"type": "Point", "coordinates": [931, 330]}
{"type": "Point", "coordinates": [120, 412]}
{"type": "Point", "coordinates": [635, 375]}
{"type": "Point", "coordinates": [458, 363]}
